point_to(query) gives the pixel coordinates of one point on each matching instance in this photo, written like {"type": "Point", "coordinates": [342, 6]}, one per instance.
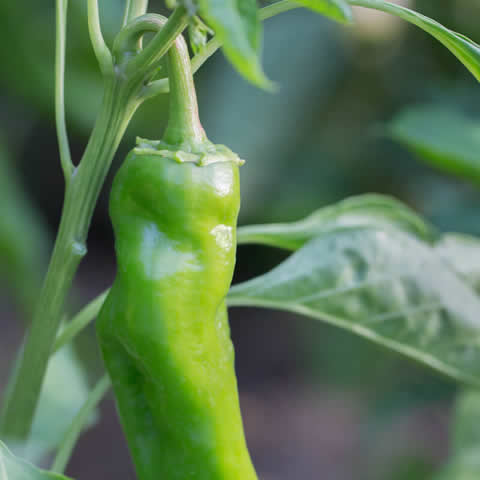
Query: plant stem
{"type": "Point", "coordinates": [60, 43]}
{"type": "Point", "coordinates": [80, 200]}
{"type": "Point", "coordinates": [71, 436]}
{"type": "Point", "coordinates": [183, 120]}
{"type": "Point", "coordinates": [210, 48]}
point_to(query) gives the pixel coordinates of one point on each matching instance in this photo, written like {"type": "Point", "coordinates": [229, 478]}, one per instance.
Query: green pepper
{"type": "Point", "coordinates": [163, 329]}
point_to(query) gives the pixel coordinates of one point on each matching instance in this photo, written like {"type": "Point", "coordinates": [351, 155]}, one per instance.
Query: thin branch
{"type": "Point", "coordinates": [200, 58]}
{"type": "Point", "coordinates": [83, 318]}
{"type": "Point", "coordinates": [73, 433]}
{"type": "Point", "coordinates": [126, 14]}
{"type": "Point", "coordinates": [60, 45]}
{"type": "Point", "coordinates": [276, 8]}
{"type": "Point", "coordinates": [156, 88]}
{"type": "Point", "coordinates": [102, 52]}
{"type": "Point", "coordinates": [133, 9]}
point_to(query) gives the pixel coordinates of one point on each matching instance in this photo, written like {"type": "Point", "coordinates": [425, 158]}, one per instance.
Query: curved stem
{"type": "Point", "coordinates": [128, 41]}
{"type": "Point", "coordinates": [159, 46]}
{"type": "Point", "coordinates": [73, 433]}
{"type": "Point", "coordinates": [100, 48]}
{"type": "Point", "coordinates": [83, 318]}
{"type": "Point", "coordinates": [133, 9]}
{"type": "Point", "coordinates": [60, 44]}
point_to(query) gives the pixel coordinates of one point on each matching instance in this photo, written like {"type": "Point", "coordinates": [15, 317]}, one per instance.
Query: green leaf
{"type": "Point", "coordinates": [462, 467]}
{"type": "Point", "coordinates": [465, 459]}
{"type": "Point", "coordinates": [237, 25]}
{"type": "Point", "coordinates": [338, 10]}
{"type": "Point", "coordinates": [384, 285]}
{"type": "Point", "coordinates": [368, 210]}
{"type": "Point", "coordinates": [57, 406]}
{"type": "Point", "coordinates": [14, 468]}
{"type": "Point", "coordinates": [24, 241]}
{"type": "Point", "coordinates": [466, 50]}
{"type": "Point", "coordinates": [443, 138]}
{"type": "Point", "coordinates": [466, 427]}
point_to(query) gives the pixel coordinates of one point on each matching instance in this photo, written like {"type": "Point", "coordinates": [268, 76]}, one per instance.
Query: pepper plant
{"type": "Point", "coordinates": [163, 326]}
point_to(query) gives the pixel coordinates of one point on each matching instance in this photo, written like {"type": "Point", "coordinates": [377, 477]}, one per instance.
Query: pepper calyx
{"type": "Point", "coordinates": [202, 154]}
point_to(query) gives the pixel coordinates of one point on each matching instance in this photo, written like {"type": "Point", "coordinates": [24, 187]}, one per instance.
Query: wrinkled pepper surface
{"type": "Point", "coordinates": [163, 329]}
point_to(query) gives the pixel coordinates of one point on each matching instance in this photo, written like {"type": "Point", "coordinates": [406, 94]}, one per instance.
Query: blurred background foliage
{"type": "Point", "coordinates": [354, 106]}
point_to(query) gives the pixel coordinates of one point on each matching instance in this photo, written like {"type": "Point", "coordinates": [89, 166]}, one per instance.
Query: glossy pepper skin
{"type": "Point", "coordinates": [163, 329]}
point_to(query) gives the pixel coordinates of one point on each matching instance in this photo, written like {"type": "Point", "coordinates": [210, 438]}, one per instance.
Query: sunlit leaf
{"type": "Point", "coordinates": [462, 252]}
{"type": "Point", "coordinates": [384, 285]}
{"type": "Point", "coordinates": [466, 50]}
{"type": "Point", "coordinates": [338, 10]}
{"type": "Point", "coordinates": [14, 468]}
{"type": "Point", "coordinates": [444, 138]}
{"type": "Point", "coordinates": [360, 211]}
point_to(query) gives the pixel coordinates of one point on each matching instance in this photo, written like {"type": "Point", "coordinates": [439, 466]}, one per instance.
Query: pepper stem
{"type": "Point", "coordinates": [183, 123]}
